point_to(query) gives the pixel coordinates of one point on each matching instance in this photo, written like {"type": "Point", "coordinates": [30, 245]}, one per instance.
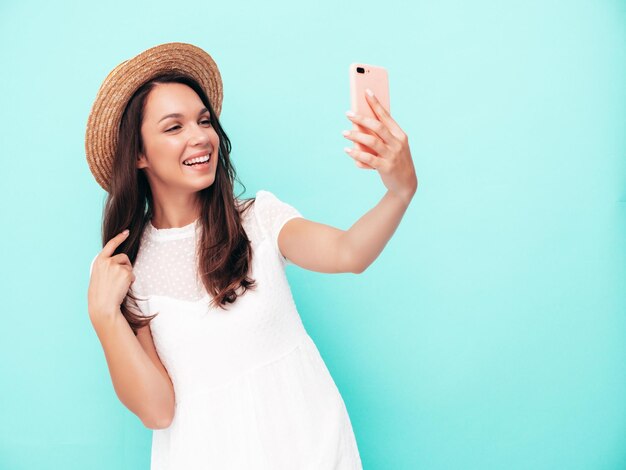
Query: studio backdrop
{"type": "Point", "coordinates": [490, 333]}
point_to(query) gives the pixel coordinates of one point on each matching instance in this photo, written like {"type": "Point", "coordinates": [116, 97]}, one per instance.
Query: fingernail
{"type": "Point", "coordinates": [347, 149]}
{"type": "Point", "coordinates": [125, 232]}
{"type": "Point", "coordinates": [346, 133]}
{"type": "Point", "coordinates": [369, 92]}
{"type": "Point", "coordinates": [350, 113]}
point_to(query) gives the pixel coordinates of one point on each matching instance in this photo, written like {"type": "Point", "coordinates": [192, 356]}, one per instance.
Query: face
{"type": "Point", "coordinates": [171, 140]}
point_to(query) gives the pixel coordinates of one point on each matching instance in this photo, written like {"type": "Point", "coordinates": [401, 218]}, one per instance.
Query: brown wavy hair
{"type": "Point", "coordinates": [224, 250]}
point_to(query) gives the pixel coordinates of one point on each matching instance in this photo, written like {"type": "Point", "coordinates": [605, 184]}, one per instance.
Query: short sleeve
{"type": "Point", "coordinates": [272, 214]}
{"type": "Point", "coordinates": [91, 265]}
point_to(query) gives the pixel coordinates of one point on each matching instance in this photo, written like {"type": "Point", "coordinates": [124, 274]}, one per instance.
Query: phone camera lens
{"type": "Point", "coordinates": [360, 70]}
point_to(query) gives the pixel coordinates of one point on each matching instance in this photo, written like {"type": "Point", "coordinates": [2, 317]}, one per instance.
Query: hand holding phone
{"type": "Point", "coordinates": [393, 158]}
{"type": "Point", "coordinates": [363, 76]}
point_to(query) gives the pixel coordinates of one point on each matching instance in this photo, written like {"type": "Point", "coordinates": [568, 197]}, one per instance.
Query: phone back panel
{"type": "Point", "coordinates": [376, 79]}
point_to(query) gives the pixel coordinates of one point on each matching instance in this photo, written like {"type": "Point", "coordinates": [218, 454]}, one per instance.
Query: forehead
{"type": "Point", "coordinates": [172, 98]}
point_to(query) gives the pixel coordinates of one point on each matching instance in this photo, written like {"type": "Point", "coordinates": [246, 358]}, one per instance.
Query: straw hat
{"type": "Point", "coordinates": [122, 82]}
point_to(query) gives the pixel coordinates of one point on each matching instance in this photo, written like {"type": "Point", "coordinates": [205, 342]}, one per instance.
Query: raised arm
{"type": "Point", "coordinates": [322, 248]}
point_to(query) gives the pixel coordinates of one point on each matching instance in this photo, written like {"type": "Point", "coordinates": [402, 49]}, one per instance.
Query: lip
{"type": "Point", "coordinates": [196, 155]}
{"type": "Point", "coordinates": [203, 167]}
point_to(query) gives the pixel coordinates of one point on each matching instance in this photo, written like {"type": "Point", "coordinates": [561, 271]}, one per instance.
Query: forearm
{"type": "Point", "coordinates": [137, 382]}
{"type": "Point", "coordinates": [368, 236]}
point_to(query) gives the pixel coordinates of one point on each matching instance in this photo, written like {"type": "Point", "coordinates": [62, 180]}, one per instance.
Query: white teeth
{"type": "Point", "coordinates": [197, 160]}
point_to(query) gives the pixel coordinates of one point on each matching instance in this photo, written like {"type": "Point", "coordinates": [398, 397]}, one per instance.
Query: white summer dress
{"type": "Point", "coordinates": [252, 391]}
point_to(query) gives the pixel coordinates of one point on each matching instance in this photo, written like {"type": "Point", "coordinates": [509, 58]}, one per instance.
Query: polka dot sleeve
{"type": "Point", "coordinates": [272, 215]}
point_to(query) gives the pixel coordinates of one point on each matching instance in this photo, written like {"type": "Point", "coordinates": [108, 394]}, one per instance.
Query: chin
{"type": "Point", "coordinates": [204, 183]}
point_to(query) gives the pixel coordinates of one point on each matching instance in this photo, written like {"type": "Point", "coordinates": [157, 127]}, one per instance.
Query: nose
{"type": "Point", "coordinates": [200, 136]}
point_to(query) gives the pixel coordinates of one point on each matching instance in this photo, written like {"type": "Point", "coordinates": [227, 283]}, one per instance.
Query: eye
{"type": "Point", "coordinates": [204, 120]}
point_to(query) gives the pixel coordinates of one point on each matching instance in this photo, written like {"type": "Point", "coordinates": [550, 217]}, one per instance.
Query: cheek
{"type": "Point", "coordinates": [215, 138]}
{"type": "Point", "coordinates": [168, 147]}
{"type": "Point", "coordinates": [164, 155]}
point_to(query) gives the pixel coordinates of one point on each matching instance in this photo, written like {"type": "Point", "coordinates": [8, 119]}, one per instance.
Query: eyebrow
{"type": "Point", "coordinates": [178, 115]}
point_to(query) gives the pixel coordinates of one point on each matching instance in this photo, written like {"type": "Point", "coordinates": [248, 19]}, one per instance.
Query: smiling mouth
{"type": "Point", "coordinates": [198, 161]}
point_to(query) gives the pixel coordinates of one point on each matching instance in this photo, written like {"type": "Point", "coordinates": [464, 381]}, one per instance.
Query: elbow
{"type": "Point", "coordinates": [158, 422]}
{"type": "Point", "coordinates": [358, 270]}
{"type": "Point", "coordinates": [160, 418]}
{"type": "Point", "coordinates": [162, 413]}
{"type": "Point", "coordinates": [165, 421]}
{"type": "Point", "coordinates": [163, 424]}
{"type": "Point", "coordinates": [349, 261]}
{"type": "Point", "coordinates": [353, 266]}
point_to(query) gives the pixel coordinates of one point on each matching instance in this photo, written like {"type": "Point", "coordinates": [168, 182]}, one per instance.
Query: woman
{"type": "Point", "coordinates": [191, 304]}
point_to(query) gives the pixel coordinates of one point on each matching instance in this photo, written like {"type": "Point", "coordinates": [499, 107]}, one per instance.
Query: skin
{"type": "Point", "coordinates": [167, 143]}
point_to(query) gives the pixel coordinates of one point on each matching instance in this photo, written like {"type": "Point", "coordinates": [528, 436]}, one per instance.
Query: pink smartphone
{"type": "Point", "coordinates": [375, 78]}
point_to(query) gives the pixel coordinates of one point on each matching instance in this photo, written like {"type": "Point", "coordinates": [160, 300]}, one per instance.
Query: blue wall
{"type": "Point", "coordinates": [489, 334]}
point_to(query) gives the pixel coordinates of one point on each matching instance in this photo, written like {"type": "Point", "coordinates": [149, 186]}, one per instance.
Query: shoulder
{"type": "Point", "coordinates": [264, 194]}
{"type": "Point", "coordinates": [272, 215]}
{"type": "Point", "coordinates": [268, 199]}
{"type": "Point", "coordinates": [270, 208]}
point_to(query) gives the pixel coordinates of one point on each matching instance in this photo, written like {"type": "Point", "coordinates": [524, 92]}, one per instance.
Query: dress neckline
{"type": "Point", "coordinates": [173, 233]}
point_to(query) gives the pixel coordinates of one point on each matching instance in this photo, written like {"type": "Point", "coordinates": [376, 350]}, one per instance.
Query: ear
{"type": "Point", "coordinates": [142, 162]}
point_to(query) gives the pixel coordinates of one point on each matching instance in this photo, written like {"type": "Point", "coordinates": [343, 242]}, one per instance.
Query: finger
{"type": "Point", "coordinates": [383, 115]}
{"type": "Point", "coordinates": [113, 243]}
{"type": "Point", "coordinates": [363, 122]}
{"type": "Point", "coordinates": [373, 142]}
{"type": "Point", "coordinates": [372, 161]}
{"type": "Point", "coordinates": [364, 148]}
{"type": "Point", "coordinates": [362, 165]}
{"type": "Point", "coordinates": [122, 259]}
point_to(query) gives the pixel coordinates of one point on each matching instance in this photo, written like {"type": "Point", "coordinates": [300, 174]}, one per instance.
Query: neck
{"type": "Point", "coordinates": [175, 211]}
